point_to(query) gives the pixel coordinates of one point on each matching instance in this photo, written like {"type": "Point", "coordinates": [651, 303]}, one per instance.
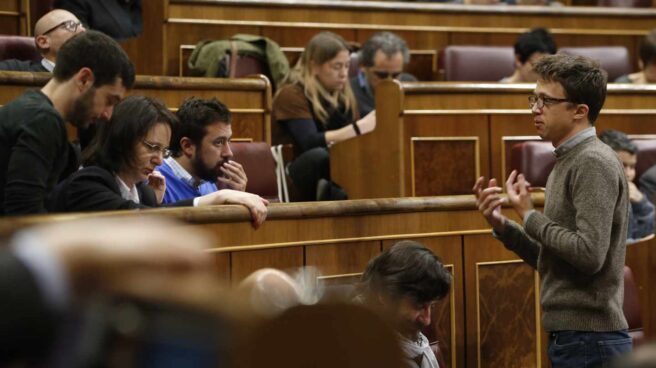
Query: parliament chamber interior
{"type": "Point", "coordinates": [409, 177]}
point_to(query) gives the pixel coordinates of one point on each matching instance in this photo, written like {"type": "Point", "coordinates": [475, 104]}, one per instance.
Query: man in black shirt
{"type": "Point", "coordinates": [91, 75]}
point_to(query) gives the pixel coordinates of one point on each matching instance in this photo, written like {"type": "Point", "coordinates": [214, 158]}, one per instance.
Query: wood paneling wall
{"type": "Point", "coordinates": [490, 318]}
{"type": "Point", "coordinates": [437, 138]}
{"type": "Point", "coordinates": [249, 99]}
{"type": "Point", "coordinates": [15, 17]}
{"type": "Point", "coordinates": [168, 24]}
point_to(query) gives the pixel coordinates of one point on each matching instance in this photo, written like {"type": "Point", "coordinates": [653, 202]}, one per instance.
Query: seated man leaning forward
{"type": "Point", "coordinates": [402, 284]}
{"type": "Point", "coordinates": [382, 57]}
{"type": "Point", "coordinates": [51, 31]}
{"type": "Point", "coordinates": [578, 243]}
{"type": "Point", "coordinates": [120, 164]}
{"type": "Point", "coordinates": [91, 76]}
{"type": "Point", "coordinates": [201, 155]}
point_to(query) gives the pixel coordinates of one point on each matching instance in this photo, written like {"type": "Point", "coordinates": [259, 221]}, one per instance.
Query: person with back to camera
{"type": "Point", "coordinates": [120, 164]}
{"type": "Point", "coordinates": [316, 109]}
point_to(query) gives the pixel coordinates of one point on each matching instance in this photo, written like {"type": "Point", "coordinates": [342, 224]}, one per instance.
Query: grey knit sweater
{"type": "Point", "coordinates": [578, 244]}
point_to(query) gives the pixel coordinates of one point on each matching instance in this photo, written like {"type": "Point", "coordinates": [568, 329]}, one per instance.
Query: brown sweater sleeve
{"type": "Point", "coordinates": [290, 104]}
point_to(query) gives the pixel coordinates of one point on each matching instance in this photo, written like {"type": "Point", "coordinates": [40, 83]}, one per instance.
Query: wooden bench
{"type": "Point", "coordinates": [424, 26]}
{"type": "Point", "coordinates": [493, 290]}
{"type": "Point", "coordinates": [249, 99]}
{"type": "Point", "coordinates": [437, 138]}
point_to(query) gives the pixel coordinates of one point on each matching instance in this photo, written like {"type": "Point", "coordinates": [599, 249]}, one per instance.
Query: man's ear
{"type": "Point", "coordinates": [42, 43]}
{"type": "Point", "coordinates": [582, 111]}
{"type": "Point", "coordinates": [84, 79]}
{"type": "Point", "coordinates": [518, 63]}
{"type": "Point", "coordinates": [187, 147]}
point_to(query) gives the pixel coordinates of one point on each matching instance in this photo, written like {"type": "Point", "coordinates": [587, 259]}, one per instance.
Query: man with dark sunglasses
{"type": "Point", "coordinates": [382, 57]}
{"type": "Point", "coordinates": [51, 31]}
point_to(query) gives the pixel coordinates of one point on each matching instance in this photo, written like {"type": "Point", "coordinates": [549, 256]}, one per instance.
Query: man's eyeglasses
{"type": "Point", "coordinates": [542, 101]}
{"type": "Point", "coordinates": [69, 25]}
{"type": "Point", "coordinates": [385, 75]}
{"type": "Point", "coordinates": [166, 153]}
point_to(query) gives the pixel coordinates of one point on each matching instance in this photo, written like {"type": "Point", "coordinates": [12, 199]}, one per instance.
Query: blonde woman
{"type": "Point", "coordinates": [316, 109]}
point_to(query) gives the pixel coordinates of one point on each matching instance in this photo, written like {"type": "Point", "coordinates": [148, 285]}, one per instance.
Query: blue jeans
{"type": "Point", "coordinates": [583, 349]}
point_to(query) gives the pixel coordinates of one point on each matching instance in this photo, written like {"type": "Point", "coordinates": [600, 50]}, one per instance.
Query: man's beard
{"type": "Point", "coordinates": [203, 172]}
{"type": "Point", "coordinates": [81, 113]}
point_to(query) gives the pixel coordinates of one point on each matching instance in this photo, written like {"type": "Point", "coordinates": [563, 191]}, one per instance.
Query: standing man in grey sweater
{"type": "Point", "coordinates": [578, 243]}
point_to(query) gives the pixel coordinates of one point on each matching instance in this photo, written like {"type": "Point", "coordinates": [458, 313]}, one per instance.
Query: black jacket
{"type": "Point", "coordinates": [34, 153]}
{"type": "Point", "coordinates": [15, 65]}
{"type": "Point", "coordinates": [95, 189]}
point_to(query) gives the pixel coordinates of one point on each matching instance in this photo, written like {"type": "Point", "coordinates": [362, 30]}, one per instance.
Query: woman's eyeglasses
{"type": "Point", "coordinates": [166, 153]}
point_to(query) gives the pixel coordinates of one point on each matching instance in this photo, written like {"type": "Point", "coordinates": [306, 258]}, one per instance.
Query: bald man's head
{"type": "Point", "coordinates": [53, 29]}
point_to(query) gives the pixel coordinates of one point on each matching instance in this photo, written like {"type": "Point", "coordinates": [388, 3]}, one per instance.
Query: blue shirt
{"type": "Point", "coordinates": [180, 184]}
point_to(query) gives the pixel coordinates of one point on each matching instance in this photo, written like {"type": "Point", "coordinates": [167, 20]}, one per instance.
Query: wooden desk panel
{"type": "Point", "coordinates": [493, 291]}
{"type": "Point", "coordinates": [403, 13]}
{"type": "Point", "coordinates": [249, 99]}
{"type": "Point", "coordinates": [169, 24]}
{"type": "Point", "coordinates": [424, 147]}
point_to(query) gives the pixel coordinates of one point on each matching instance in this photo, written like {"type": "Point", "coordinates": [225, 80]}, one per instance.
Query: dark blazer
{"type": "Point", "coordinates": [95, 189]}
{"type": "Point", "coordinates": [120, 19]}
{"type": "Point", "coordinates": [15, 65]}
{"type": "Point", "coordinates": [27, 325]}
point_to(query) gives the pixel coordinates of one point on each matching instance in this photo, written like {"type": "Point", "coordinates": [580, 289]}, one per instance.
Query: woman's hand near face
{"type": "Point", "coordinates": [157, 182]}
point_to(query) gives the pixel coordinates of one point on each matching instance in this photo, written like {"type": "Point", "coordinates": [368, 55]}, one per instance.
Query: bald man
{"type": "Point", "coordinates": [51, 31]}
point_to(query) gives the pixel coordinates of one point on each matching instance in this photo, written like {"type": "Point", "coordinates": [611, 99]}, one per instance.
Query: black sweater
{"type": "Point", "coordinates": [34, 153]}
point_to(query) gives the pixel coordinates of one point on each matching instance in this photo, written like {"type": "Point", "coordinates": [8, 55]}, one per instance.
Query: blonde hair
{"type": "Point", "coordinates": [322, 48]}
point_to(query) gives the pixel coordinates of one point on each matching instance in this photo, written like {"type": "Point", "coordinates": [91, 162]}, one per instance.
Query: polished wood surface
{"type": "Point", "coordinates": [423, 25]}
{"type": "Point", "coordinates": [490, 318]}
{"type": "Point", "coordinates": [422, 145]}
{"type": "Point", "coordinates": [249, 99]}
{"type": "Point", "coordinates": [14, 18]}
{"type": "Point", "coordinates": [168, 24]}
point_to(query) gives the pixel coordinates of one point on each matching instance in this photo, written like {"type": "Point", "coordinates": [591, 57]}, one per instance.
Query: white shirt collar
{"type": "Point", "coordinates": [130, 194]}
{"type": "Point", "coordinates": [49, 65]}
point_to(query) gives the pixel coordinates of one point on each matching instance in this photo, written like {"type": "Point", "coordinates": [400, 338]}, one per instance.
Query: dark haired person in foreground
{"type": "Point", "coordinates": [91, 75]}
{"type": "Point", "coordinates": [48, 272]}
{"type": "Point", "coordinates": [641, 216]}
{"type": "Point", "coordinates": [120, 164]}
{"type": "Point", "coordinates": [201, 155]}
{"type": "Point", "coordinates": [578, 244]}
{"type": "Point", "coordinates": [529, 48]}
{"type": "Point", "coordinates": [402, 283]}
